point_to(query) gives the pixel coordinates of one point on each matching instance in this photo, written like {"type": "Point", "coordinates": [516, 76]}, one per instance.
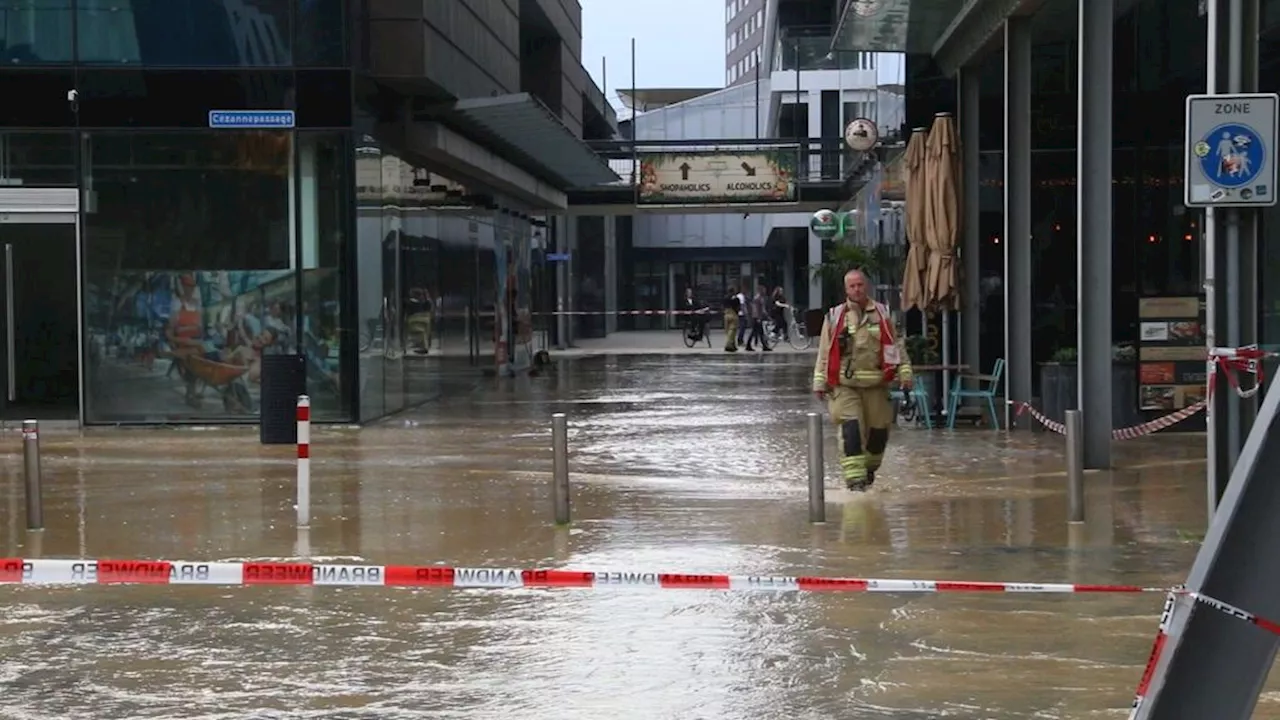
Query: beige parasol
{"type": "Point", "coordinates": [913, 294]}
{"type": "Point", "coordinates": [942, 173]}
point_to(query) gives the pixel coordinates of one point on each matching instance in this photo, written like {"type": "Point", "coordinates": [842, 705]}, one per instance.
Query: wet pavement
{"type": "Point", "coordinates": [684, 464]}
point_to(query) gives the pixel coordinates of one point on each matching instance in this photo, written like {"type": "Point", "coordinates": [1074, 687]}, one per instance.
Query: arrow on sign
{"type": "Point", "coordinates": [751, 172]}
{"type": "Point", "coordinates": [684, 171]}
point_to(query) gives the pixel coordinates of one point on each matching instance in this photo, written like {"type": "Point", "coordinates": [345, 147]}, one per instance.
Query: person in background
{"type": "Point", "coordinates": [757, 315]}
{"type": "Point", "coordinates": [696, 319]}
{"type": "Point", "coordinates": [778, 305]}
{"type": "Point", "coordinates": [732, 312]}
{"type": "Point", "coordinates": [743, 321]}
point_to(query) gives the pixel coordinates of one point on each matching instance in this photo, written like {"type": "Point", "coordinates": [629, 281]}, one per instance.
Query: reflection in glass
{"type": "Point", "coordinates": [211, 33]}
{"type": "Point", "coordinates": [35, 32]}
{"type": "Point", "coordinates": [37, 159]}
{"type": "Point", "coordinates": [189, 273]}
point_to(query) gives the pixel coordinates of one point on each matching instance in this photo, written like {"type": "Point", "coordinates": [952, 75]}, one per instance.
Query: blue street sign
{"type": "Point", "coordinates": [245, 119]}
{"type": "Point", "coordinates": [1230, 150]}
{"type": "Point", "coordinates": [557, 257]}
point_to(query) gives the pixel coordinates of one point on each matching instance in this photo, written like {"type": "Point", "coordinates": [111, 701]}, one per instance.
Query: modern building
{"type": "Point", "coordinates": [188, 188]}
{"type": "Point", "coordinates": [744, 41]}
{"type": "Point", "coordinates": [806, 93]}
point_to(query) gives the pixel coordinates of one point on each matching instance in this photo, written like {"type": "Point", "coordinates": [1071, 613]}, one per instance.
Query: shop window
{"type": "Point", "coordinates": [36, 32]}
{"type": "Point", "coordinates": [193, 247]}
{"type": "Point", "coordinates": [191, 33]}
{"type": "Point", "coordinates": [37, 159]}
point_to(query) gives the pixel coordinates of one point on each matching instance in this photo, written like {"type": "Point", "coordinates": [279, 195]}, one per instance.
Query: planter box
{"type": "Point", "coordinates": [1059, 392]}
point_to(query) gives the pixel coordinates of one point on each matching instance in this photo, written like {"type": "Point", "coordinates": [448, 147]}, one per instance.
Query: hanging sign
{"type": "Point", "coordinates": [1230, 150]}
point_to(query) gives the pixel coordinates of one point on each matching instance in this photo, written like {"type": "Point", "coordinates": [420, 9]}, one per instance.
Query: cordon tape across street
{"type": "Point", "coordinates": [163, 572]}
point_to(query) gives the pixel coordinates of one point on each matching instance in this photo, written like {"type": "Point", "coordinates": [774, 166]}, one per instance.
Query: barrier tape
{"type": "Point", "coordinates": [164, 572]}
{"type": "Point", "coordinates": [1127, 433]}
{"type": "Point", "coordinates": [1157, 649]}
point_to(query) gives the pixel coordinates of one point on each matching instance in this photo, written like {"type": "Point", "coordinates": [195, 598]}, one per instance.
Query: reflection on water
{"type": "Point", "coordinates": [679, 465]}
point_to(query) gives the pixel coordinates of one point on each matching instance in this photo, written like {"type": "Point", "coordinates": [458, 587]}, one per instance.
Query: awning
{"type": "Point", "coordinates": [521, 128]}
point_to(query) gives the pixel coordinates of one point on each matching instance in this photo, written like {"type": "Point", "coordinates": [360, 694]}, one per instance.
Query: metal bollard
{"type": "Point", "coordinates": [817, 488]}
{"type": "Point", "coordinates": [1075, 468]}
{"type": "Point", "coordinates": [31, 465]}
{"type": "Point", "coordinates": [560, 466]}
{"type": "Point", "coordinates": [303, 488]}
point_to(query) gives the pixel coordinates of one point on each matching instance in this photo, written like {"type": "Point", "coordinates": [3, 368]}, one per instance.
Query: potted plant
{"type": "Point", "coordinates": [1060, 387]}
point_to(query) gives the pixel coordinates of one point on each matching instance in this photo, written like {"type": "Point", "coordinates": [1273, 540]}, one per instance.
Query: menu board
{"type": "Point", "coordinates": [1171, 352]}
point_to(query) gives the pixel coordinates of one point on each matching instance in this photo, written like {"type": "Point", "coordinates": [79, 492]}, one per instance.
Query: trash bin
{"type": "Point", "coordinates": [813, 322]}
{"type": "Point", "coordinates": [284, 378]}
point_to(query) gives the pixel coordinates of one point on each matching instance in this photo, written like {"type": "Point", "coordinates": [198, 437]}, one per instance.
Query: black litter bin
{"type": "Point", "coordinates": [284, 378]}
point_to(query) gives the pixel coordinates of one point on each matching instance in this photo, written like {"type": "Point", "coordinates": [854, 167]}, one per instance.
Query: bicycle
{"type": "Point", "coordinates": [694, 328]}
{"type": "Point", "coordinates": [795, 334]}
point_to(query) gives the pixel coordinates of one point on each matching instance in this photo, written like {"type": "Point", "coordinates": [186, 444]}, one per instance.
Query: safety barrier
{"type": "Point", "coordinates": [165, 572]}
{"type": "Point", "coordinates": [304, 462]}
{"type": "Point", "coordinates": [34, 481]}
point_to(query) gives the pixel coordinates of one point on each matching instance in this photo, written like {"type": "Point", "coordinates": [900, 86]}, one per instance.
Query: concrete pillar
{"type": "Point", "coordinates": [1093, 239]}
{"type": "Point", "coordinates": [611, 273]}
{"type": "Point", "coordinates": [970, 239]}
{"type": "Point", "coordinates": [1017, 213]}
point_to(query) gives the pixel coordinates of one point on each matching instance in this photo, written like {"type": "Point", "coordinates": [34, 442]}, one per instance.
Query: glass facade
{"type": "Point", "coordinates": [1156, 241]}
{"type": "Point", "coordinates": [443, 286]}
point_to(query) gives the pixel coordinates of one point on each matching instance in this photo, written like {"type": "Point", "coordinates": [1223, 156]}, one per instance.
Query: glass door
{"type": "Point", "coordinates": [39, 318]}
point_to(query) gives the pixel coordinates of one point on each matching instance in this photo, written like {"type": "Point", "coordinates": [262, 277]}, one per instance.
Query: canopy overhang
{"type": "Point", "coordinates": [522, 128]}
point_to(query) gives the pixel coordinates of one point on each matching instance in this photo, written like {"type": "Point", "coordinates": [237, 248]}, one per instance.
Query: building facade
{"type": "Point", "coordinates": [804, 93]}
{"type": "Point", "coordinates": [190, 187]}
{"type": "Point", "coordinates": [744, 40]}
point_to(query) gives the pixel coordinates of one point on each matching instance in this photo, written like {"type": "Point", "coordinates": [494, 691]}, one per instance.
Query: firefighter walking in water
{"type": "Point", "coordinates": [859, 358]}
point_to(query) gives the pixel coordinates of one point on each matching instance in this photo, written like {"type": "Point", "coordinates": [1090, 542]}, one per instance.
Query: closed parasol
{"type": "Point", "coordinates": [913, 292]}
{"type": "Point", "coordinates": [943, 211]}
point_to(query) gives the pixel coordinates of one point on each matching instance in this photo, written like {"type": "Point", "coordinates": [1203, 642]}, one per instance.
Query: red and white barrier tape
{"type": "Point", "coordinates": [1157, 649]}
{"type": "Point", "coordinates": [164, 572]}
{"type": "Point", "coordinates": [707, 313]}
{"type": "Point", "coordinates": [1127, 433]}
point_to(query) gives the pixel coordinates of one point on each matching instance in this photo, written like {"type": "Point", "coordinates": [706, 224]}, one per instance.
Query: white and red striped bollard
{"type": "Point", "coordinates": [304, 461]}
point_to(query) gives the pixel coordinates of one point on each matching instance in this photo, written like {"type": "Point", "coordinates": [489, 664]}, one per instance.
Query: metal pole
{"type": "Point", "coordinates": [1017, 217]}
{"type": "Point", "coordinates": [1075, 468]}
{"type": "Point", "coordinates": [304, 461]}
{"type": "Point", "coordinates": [31, 465]}
{"type": "Point", "coordinates": [1213, 449]}
{"type": "Point", "coordinates": [817, 488]}
{"type": "Point", "coordinates": [560, 466]}
{"type": "Point", "coordinates": [1093, 235]}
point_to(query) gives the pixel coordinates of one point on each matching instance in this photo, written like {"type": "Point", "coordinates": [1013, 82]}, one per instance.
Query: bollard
{"type": "Point", "coordinates": [31, 465]}
{"type": "Point", "coordinates": [560, 466]}
{"type": "Point", "coordinates": [304, 461]}
{"type": "Point", "coordinates": [1075, 468]}
{"type": "Point", "coordinates": [817, 487]}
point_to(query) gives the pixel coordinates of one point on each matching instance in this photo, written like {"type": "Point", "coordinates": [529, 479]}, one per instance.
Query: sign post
{"type": "Point", "coordinates": [1230, 166]}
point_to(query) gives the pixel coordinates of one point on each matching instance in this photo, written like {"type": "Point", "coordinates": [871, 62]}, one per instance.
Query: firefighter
{"type": "Point", "coordinates": [859, 357]}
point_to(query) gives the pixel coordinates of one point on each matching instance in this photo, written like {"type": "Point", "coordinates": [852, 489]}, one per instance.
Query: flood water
{"type": "Point", "coordinates": [681, 464]}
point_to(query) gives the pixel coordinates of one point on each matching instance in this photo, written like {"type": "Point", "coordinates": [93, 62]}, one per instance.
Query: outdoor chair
{"type": "Point", "coordinates": [987, 387]}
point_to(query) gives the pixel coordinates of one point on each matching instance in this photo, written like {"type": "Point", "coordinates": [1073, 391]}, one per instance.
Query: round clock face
{"type": "Point", "coordinates": [861, 135]}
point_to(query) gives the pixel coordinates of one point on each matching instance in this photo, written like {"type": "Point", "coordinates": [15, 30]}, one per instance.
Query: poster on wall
{"type": "Point", "coordinates": [1171, 352]}
{"type": "Point", "coordinates": [756, 176]}
{"type": "Point", "coordinates": [189, 345]}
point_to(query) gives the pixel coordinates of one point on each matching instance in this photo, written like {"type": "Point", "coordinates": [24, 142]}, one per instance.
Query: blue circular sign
{"type": "Point", "coordinates": [1231, 155]}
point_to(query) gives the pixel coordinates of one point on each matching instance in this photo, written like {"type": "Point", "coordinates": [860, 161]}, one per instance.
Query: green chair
{"type": "Point", "coordinates": [920, 397]}
{"type": "Point", "coordinates": [987, 387]}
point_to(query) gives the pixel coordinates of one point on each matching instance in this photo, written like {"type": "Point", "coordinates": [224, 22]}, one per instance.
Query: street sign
{"type": "Point", "coordinates": [1230, 150]}
{"type": "Point", "coordinates": [557, 257]}
{"type": "Point", "coordinates": [717, 178]}
{"type": "Point", "coordinates": [251, 119]}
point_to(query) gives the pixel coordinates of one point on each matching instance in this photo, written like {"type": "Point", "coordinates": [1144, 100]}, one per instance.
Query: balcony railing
{"type": "Point", "coordinates": [812, 52]}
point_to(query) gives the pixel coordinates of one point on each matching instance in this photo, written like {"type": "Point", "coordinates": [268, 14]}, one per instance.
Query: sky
{"type": "Point", "coordinates": [679, 43]}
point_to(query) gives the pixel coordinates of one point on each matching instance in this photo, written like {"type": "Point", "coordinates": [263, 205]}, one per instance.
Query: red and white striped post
{"type": "Point", "coordinates": [304, 461]}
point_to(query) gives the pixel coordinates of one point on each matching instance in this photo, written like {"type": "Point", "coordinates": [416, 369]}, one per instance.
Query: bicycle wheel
{"type": "Point", "coordinates": [798, 338]}
{"type": "Point", "coordinates": [690, 337]}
